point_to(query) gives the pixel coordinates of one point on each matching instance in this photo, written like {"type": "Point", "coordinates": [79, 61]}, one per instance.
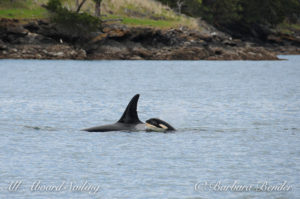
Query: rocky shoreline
{"type": "Point", "coordinates": [43, 40]}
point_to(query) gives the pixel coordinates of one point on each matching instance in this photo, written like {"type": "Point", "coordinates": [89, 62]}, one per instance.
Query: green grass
{"type": "Point", "coordinates": [16, 4]}
{"type": "Point", "coordinates": [295, 26]}
{"type": "Point", "coordinates": [148, 22]}
{"type": "Point", "coordinates": [25, 9]}
{"type": "Point", "coordinates": [132, 21]}
{"type": "Point", "coordinates": [287, 28]}
{"type": "Point", "coordinates": [23, 13]}
{"type": "Point", "coordinates": [145, 22]}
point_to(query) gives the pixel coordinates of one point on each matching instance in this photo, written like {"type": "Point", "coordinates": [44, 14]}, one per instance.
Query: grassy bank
{"type": "Point", "coordinates": [287, 28]}
{"type": "Point", "coordinates": [23, 13]}
{"type": "Point", "coordinates": [26, 9]}
{"type": "Point", "coordinates": [144, 22]}
{"type": "Point", "coordinates": [147, 13]}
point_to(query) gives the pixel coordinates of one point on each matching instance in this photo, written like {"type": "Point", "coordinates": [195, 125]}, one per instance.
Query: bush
{"type": "Point", "coordinates": [249, 12]}
{"type": "Point", "coordinates": [222, 12]}
{"type": "Point", "coordinates": [53, 5]}
{"type": "Point", "coordinates": [71, 23]}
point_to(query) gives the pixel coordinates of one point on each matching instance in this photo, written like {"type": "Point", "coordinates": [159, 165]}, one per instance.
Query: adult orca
{"type": "Point", "coordinates": [128, 122]}
{"type": "Point", "coordinates": [131, 122]}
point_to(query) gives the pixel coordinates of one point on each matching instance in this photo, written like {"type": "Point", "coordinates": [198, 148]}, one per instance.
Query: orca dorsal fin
{"type": "Point", "coordinates": [130, 114]}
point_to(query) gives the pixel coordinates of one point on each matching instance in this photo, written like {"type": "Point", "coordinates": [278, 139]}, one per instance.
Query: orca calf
{"type": "Point", "coordinates": [155, 124]}
{"type": "Point", "coordinates": [131, 122]}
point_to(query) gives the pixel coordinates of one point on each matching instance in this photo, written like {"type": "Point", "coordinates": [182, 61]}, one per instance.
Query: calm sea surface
{"type": "Point", "coordinates": [238, 124]}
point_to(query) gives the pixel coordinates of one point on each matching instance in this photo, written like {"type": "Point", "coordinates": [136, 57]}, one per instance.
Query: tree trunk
{"type": "Point", "coordinates": [80, 5]}
{"type": "Point", "coordinates": [179, 5]}
{"type": "Point", "coordinates": [98, 8]}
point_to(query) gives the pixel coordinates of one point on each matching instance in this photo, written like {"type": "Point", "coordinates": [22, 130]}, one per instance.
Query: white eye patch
{"type": "Point", "coordinates": [154, 128]}
{"type": "Point", "coordinates": [163, 126]}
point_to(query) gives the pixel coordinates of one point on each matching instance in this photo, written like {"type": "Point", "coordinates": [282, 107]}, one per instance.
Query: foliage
{"type": "Point", "coordinates": [292, 10]}
{"type": "Point", "coordinates": [54, 5]}
{"type": "Point", "coordinates": [224, 12]}
{"type": "Point", "coordinates": [76, 21]}
{"type": "Point", "coordinates": [190, 7]}
{"type": "Point", "coordinates": [72, 23]}
{"type": "Point", "coordinates": [263, 12]}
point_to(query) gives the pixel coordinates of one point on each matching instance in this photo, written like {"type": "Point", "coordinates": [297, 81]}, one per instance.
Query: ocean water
{"type": "Point", "coordinates": [238, 129]}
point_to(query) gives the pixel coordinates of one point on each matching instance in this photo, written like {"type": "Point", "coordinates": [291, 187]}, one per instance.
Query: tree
{"type": "Point", "coordinates": [72, 24]}
{"type": "Point", "coordinates": [243, 13]}
{"type": "Point", "coordinates": [188, 7]}
{"type": "Point", "coordinates": [263, 12]}
{"type": "Point", "coordinates": [292, 10]}
{"type": "Point", "coordinates": [80, 5]}
{"type": "Point", "coordinates": [54, 5]}
{"type": "Point", "coordinates": [179, 5]}
{"type": "Point", "coordinates": [97, 7]}
{"type": "Point", "coordinates": [222, 11]}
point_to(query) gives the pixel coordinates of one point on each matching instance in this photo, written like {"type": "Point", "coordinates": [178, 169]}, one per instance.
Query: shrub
{"type": "Point", "coordinates": [53, 5]}
{"type": "Point", "coordinates": [70, 23]}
